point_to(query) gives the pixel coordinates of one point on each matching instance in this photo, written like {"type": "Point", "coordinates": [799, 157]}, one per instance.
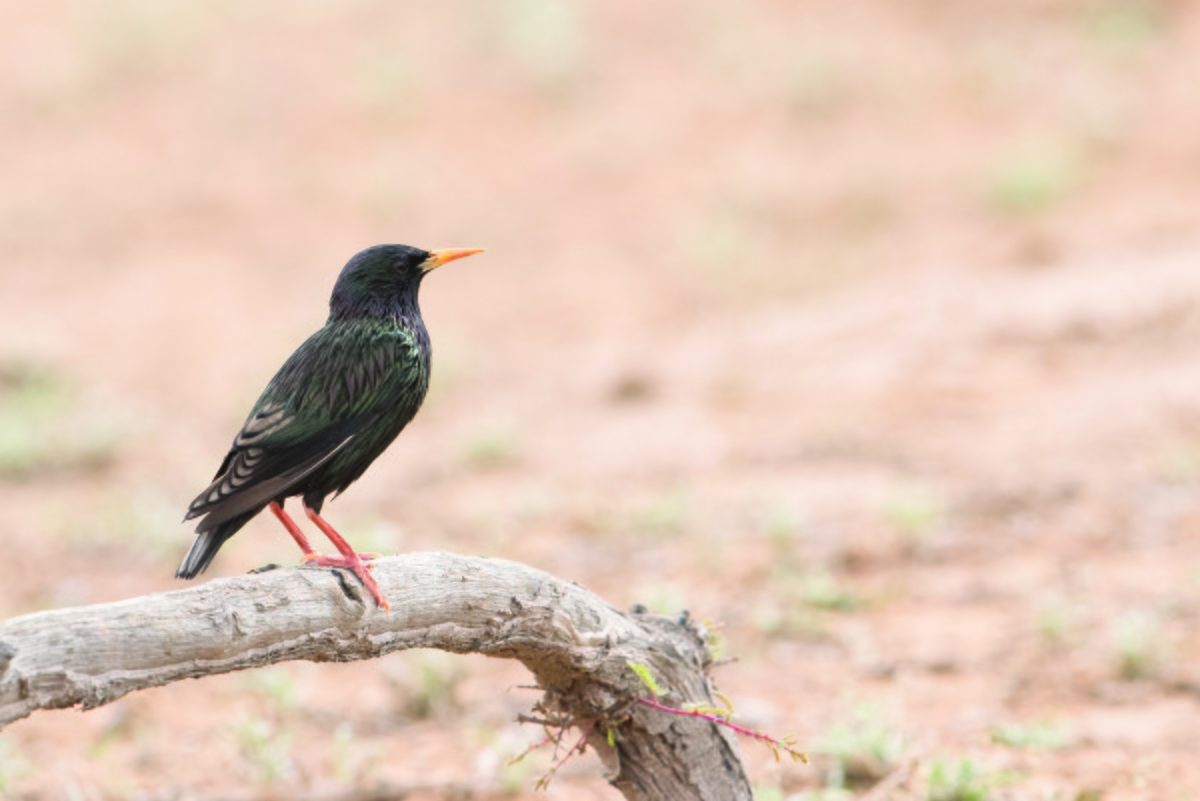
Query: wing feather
{"type": "Point", "coordinates": [234, 492]}
{"type": "Point", "coordinates": [333, 388]}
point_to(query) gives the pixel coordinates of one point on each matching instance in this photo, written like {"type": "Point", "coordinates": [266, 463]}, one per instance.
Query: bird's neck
{"type": "Point", "coordinates": [403, 312]}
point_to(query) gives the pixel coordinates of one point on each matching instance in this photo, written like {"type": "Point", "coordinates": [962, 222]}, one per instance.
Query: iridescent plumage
{"type": "Point", "coordinates": [334, 406]}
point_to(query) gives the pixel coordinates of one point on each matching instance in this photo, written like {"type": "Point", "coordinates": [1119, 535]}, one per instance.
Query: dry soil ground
{"type": "Point", "coordinates": [866, 329]}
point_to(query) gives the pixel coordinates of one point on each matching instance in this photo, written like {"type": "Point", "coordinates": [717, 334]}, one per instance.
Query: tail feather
{"type": "Point", "coordinates": [208, 542]}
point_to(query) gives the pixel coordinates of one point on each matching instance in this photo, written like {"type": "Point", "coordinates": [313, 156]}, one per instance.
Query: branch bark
{"type": "Point", "coordinates": [577, 646]}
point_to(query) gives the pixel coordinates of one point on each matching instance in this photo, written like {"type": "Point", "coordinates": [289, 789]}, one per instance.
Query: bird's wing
{"type": "Point", "coordinates": [313, 407]}
{"type": "Point", "coordinates": [252, 475]}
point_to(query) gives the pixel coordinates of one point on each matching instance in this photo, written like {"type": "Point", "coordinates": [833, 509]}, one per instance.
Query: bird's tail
{"type": "Point", "coordinates": [208, 542]}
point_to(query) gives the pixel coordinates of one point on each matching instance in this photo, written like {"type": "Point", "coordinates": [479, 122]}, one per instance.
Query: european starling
{"type": "Point", "coordinates": [333, 407]}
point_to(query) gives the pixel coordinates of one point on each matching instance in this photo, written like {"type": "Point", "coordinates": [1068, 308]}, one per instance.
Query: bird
{"type": "Point", "coordinates": [334, 406]}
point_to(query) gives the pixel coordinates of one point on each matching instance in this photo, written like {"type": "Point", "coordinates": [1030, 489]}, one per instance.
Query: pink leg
{"type": "Point", "coordinates": [349, 559]}
{"type": "Point", "coordinates": [294, 530]}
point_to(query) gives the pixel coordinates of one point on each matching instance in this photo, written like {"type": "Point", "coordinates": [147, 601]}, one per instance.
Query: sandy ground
{"type": "Point", "coordinates": [865, 329]}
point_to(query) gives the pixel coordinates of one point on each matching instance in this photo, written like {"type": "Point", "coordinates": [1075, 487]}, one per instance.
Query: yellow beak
{"type": "Point", "coordinates": [439, 257]}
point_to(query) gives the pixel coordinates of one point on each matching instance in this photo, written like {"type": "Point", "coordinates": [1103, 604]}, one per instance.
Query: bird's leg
{"type": "Point", "coordinates": [338, 541]}
{"type": "Point", "coordinates": [294, 530]}
{"type": "Point", "coordinates": [349, 559]}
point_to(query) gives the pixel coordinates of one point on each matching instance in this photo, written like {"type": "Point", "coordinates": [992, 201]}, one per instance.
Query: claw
{"type": "Point", "coordinates": [357, 563]}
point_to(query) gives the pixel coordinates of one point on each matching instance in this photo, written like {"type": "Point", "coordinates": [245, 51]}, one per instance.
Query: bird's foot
{"type": "Point", "coordinates": [359, 564]}
{"type": "Point", "coordinates": [349, 559]}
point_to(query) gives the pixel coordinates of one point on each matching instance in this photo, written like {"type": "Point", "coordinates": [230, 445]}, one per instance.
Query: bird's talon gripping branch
{"type": "Point", "coordinates": [355, 566]}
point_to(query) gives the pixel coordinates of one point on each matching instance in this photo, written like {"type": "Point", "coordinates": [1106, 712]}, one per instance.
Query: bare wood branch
{"type": "Point", "coordinates": [577, 646]}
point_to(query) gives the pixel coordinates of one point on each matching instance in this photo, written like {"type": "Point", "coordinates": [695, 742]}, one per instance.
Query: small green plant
{"type": "Point", "coordinates": [1125, 27]}
{"type": "Point", "coordinates": [1180, 464]}
{"type": "Point", "coordinates": [120, 728]}
{"type": "Point", "coordinates": [915, 513]}
{"type": "Point", "coordinates": [426, 682]}
{"type": "Point", "coordinates": [1033, 179]}
{"type": "Point", "coordinates": [266, 749]}
{"type": "Point", "coordinates": [862, 750]}
{"type": "Point", "coordinates": [822, 591]}
{"type": "Point", "coordinates": [785, 529]}
{"type": "Point", "coordinates": [716, 639]}
{"type": "Point", "coordinates": [796, 620]}
{"type": "Point", "coordinates": [1034, 736]}
{"type": "Point", "coordinates": [783, 526]}
{"type": "Point", "coordinates": [40, 432]}
{"type": "Point", "coordinates": [1138, 642]}
{"type": "Point", "coordinates": [276, 685]}
{"type": "Point", "coordinates": [765, 793]}
{"type": "Point", "coordinates": [352, 759]}
{"type": "Point", "coordinates": [514, 774]}
{"type": "Point", "coordinates": [31, 400]}
{"type": "Point", "coordinates": [663, 516]}
{"type": "Point", "coordinates": [1055, 622]}
{"type": "Point", "coordinates": [645, 677]}
{"type": "Point", "coordinates": [492, 449]}
{"type": "Point", "coordinates": [963, 781]}
{"type": "Point", "coordinates": [796, 592]}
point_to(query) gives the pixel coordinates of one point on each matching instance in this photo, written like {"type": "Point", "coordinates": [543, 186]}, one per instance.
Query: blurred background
{"type": "Point", "coordinates": [864, 330]}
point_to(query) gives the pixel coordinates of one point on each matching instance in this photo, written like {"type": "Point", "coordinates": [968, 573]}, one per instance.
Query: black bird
{"type": "Point", "coordinates": [332, 408]}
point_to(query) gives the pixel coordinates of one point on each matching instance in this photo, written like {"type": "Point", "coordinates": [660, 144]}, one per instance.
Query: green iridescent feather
{"type": "Point", "coordinates": [334, 406]}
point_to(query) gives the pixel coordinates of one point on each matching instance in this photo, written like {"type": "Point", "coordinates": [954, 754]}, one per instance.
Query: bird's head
{"type": "Point", "coordinates": [383, 280]}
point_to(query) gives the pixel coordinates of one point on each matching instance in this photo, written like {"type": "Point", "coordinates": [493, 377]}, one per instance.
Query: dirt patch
{"type": "Point", "coordinates": [864, 329]}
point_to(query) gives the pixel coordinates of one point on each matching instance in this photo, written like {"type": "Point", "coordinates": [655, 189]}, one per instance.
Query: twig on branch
{"type": "Point", "coordinates": [576, 645]}
{"type": "Point", "coordinates": [721, 717]}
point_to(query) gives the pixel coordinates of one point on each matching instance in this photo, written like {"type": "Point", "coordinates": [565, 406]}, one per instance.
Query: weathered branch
{"type": "Point", "coordinates": [577, 646]}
